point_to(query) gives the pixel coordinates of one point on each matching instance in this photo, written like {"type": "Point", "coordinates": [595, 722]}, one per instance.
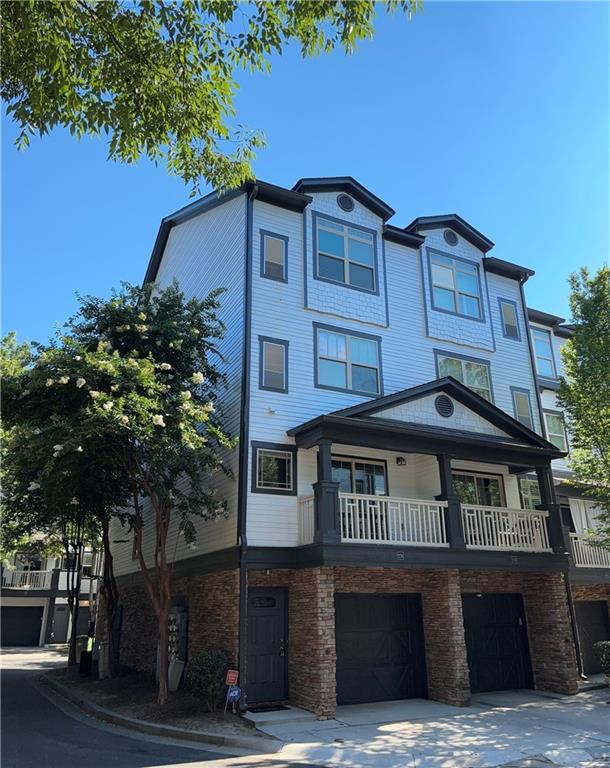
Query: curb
{"type": "Point", "coordinates": [263, 745]}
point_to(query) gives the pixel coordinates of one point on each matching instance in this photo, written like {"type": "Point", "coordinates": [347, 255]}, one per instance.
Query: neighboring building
{"type": "Point", "coordinates": [34, 603]}
{"type": "Point", "coordinates": [589, 565]}
{"type": "Point", "coordinates": [382, 383]}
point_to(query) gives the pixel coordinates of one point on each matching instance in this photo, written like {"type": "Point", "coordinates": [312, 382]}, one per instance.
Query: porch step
{"type": "Point", "coordinates": [280, 717]}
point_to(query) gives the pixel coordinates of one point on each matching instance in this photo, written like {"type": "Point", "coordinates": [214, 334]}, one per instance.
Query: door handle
{"type": "Point", "coordinates": [282, 648]}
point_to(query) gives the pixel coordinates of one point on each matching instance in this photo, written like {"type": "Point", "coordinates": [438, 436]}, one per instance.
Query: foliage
{"type": "Point", "coordinates": [159, 77]}
{"type": "Point", "coordinates": [205, 676]}
{"type": "Point", "coordinates": [603, 651]}
{"type": "Point", "coordinates": [584, 393]}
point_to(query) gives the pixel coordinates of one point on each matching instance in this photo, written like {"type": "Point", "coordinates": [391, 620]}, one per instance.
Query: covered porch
{"type": "Point", "coordinates": [403, 471]}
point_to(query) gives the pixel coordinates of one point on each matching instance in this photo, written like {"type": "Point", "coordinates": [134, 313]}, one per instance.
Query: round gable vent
{"type": "Point", "coordinates": [345, 202]}
{"type": "Point", "coordinates": [444, 406]}
{"type": "Point", "coordinates": [450, 237]}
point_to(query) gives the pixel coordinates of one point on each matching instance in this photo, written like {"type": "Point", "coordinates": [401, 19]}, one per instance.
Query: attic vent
{"type": "Point", "coordinates": [444, 406]}
{"type": "Point", "coordinates": [450, 237]}
{"type": "Point", "coordinates": [345, 202]}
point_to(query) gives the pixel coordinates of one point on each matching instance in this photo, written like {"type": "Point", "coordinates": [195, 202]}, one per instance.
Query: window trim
{"type": "Point", "coordinates": [267, 233]}
{"type": "Point", "coordinates": [446, 353]}
{"type": "Point", "coordinates": [475, 474]}
{"type": "Point", "coordinates": [315, 215]}
{"type": "Point", "coordinates": [365, 460]}
{"type": "Point", "coordinates": [262, 340]}
{"type": "Point", "coordinates": [501, 301]}
{"type": "Point", "coordinates": [285, 448]}
{"type": "Point", "coordinates": [539, 375]}
{"type": "Point", "coordinates": [522, 391]}
{"type": "Point", "coordinates": [435, 251]}
{"type": "Point", "coordinates": [550, 412]}
{"type": "Point", "coordinates": [346, 332]}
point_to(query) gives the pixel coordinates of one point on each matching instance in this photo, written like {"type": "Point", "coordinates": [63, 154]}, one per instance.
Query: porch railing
{"type": "Point", "coordinates": [27, 579]}
{"type": "Point", "coordinates": [587, 554]}
{"type": "Point", "coordinates": [306, 520]}
{"type": "Point", "coordinates": [390, 520]}
{"type": "Point", "coordinates": [499, 528]}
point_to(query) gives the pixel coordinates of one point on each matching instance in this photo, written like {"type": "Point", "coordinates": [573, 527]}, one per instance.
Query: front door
{"type": "Point", "coordinates": [496, 642]}
{"type": "Point", "coordinates": [593, 626]}
{"type": "Point", "coordinates": [267, 643]}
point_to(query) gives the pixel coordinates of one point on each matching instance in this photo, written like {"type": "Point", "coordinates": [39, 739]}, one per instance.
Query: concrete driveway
{"type": "Point", "coordinates": [518, 728]}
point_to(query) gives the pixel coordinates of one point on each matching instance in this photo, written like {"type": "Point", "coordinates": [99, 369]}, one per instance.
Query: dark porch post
{"type": "Point", "coordinates": [557, 536]}
{"type": "Point", "coordinates": [326, 494]}
{"type": "Point", "coordinates": [453, 517]}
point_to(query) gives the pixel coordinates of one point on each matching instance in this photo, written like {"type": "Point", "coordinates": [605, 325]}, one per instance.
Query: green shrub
{"type": "Point", "coordinates": [603, 651]}
{"type": "Point", "coordinates": [205, 676]}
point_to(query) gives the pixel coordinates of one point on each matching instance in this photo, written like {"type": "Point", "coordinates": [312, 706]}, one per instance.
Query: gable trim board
{"type": "Point", "coordinates": [349, 185]}
{"type": "Point", "coordinates": [455, 222]}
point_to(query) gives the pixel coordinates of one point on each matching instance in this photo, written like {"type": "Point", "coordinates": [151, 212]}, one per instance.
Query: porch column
{"type": "Point", "coordinates": [326, 493]}
{"type": "Point", "coordinates": [557, 536]}
{"type": "Point", "coordinates": [453, 517]}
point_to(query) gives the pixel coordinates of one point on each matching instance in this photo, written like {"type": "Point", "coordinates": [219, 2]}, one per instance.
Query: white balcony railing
{"type": "Point", "coordinates": [306, 520]}
{"type": "Point", "coordinates": [499, 528]}
{"type": "Point", "coordinates": [27, 579]}
{"type": "Point", "coordinates": [389, 520]}
{"type": "Point", "coordinates": [587, 554]}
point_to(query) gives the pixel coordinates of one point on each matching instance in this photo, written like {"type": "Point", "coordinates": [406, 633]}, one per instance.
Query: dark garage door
{"type": "Point", "coordinates": [496, 642]}
{"type": "Point", "coordinates": [380, 648]}
{"type": "Point", "coordinates": [593, 626]}
{"type": "Point", "coordinates": [21, 625]}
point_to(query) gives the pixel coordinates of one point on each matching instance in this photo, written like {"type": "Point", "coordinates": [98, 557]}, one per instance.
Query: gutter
{"type": "Point", "coordinates": [242, 494]}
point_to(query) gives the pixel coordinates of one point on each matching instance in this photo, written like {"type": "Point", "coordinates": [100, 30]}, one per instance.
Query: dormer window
{"type": "Point", "coordinates": [455, 286]}
{"type": "Point", "coordinates": [345, 254]}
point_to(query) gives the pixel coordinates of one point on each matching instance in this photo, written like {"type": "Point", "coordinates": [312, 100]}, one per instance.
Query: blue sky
{"type": "Point", "coordinates": [496, 111]}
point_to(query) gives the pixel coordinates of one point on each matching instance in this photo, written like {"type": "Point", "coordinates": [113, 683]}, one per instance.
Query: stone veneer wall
{"type": "Point", "coordinates": [212, 600]}
{"type": "Point", "coordinates": [549, 628]}
{"type": "Point", "coordinates": [591, 592]}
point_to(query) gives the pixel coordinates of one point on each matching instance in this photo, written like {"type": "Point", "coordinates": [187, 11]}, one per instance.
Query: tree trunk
{"type": "Point", "coordinates": [163, 655]}
{"type": "Point", "coordinates": [110, 593]}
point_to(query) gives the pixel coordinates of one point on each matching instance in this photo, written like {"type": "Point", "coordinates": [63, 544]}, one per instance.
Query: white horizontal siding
{"type": "Point", "coordinates": [202, 254]}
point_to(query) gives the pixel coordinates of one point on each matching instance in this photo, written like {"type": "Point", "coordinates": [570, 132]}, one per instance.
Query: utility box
{"type": "Point", "coordinates": [177, 625]}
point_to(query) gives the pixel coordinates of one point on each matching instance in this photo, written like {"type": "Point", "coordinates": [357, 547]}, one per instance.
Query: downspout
{"type": "Point", "coordinates": [242, 487]}
{"type": "Point", "coordinates": [566, 571]}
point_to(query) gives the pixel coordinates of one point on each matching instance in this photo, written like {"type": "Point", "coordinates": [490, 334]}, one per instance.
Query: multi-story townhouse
{"type": "Point", "coordinates": [34, 601]}
{"type": "Point", "coordinates": [589, 574]}
{"type": "Point", "coordinates": [382, 384]}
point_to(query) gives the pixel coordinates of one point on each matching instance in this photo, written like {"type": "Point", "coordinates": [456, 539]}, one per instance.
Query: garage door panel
{"type": "Point", "coordinates": [496, 642]}
{"type": "Point", "coordinates": [21, 625]}
{"type": "Point", "coordinates": [593, 626]}
{"type": "Point", "coordinates": [380, 650]}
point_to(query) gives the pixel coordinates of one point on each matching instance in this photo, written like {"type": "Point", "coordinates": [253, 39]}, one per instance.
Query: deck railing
{"type": "Point", "coordinates": [587, 554]}
{"type": "Point", "coordinates": [499, 528]}
{"type": "Point", "coordinates": [390, 520]}
{"type": "Point", "coordinates": [27, 579]}
{"type": "Point", "coordinates": [306, 520]}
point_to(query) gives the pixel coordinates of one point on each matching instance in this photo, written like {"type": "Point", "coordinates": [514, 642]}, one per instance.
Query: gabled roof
{"type": "Point", "coordinates": [457, 224]}
{"type": "Point", "coordinates": [448, 385]}
{"type": "Point", "coordinates": [349, 185]}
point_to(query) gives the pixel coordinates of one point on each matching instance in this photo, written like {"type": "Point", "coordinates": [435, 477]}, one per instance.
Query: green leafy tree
{"type": "Point", "coordinates": [584, 392]}
{"type": "Point", "coordinates": [159, 77]}
{"type": "Point", "coordinates": [149, 369]}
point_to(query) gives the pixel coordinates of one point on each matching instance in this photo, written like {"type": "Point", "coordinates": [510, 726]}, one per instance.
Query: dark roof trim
{"type": "Point", "coordinates": [536, 316]}
{"type": "Point", "coordinates": [462, 394]}
{"type": "Point", "coordinates": [455, 222]}
{"type": "Point", "coordinates": [397, 235]}
{"type": "Point", "coordinates": [565, 331]}
{"type": "Point", "coordinates": [507, 269]}
{"type": "Point", "coordinates": [349, 185]}
{"type": "Point", "coordinates": [261, 190]}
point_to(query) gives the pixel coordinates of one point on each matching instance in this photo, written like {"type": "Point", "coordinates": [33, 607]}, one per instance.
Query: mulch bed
{"type": "Point", "coordinates": [135, 695]}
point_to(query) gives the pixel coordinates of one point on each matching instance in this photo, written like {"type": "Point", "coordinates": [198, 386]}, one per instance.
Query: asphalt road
{"type": "Point", "coordinates": [38, 728]}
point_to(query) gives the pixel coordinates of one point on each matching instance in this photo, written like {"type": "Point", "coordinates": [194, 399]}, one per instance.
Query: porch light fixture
{"type": "Point", "coordinates": [401, 461]}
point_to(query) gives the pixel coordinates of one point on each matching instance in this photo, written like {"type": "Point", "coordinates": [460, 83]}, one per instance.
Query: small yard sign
{"type": "Point", "coordinates": [232, 675]}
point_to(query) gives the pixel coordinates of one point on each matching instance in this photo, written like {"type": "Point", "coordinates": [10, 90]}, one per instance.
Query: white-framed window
{"type": "Point", "coordinates": [274, 256]}
{"type": "Point", "coordinates": [543, 349]}
{"type": "Point", "coordinates": [345, 254]}
{"type": "Point", "coordinates": [530, 492]}
{"type": "Point", "coordinates": [522, 406]}
{"type": "Point", "coordinates": [274, 469]}
{"type": "Point", "coordinates": [478, 488]}
{"type": "Point", "coordinates": [474, 374]}
{"type": "Point", "coordinates": [508, 316]}
{"type": "Point", "coordinates": [347, 361]}
{"type": "Point", "coordinates": [455, 286]}
{"type": "Point", "coordinates": [360, 476]}
{"type": "Point", "coordinates": [556, 430]}
{"type": "Point", "coordinates": [273, 364]}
